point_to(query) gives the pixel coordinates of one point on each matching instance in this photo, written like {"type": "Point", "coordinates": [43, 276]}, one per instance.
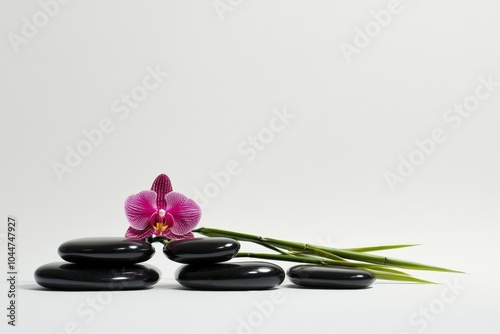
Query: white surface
{"type": "Point", "coordinates": [385, 308]}
{"type": "Point", "coordinates": [320, 180]}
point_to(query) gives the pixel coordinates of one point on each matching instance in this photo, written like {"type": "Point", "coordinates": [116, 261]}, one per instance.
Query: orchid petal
{"type": "Point", "coordinates": [185, 213]}
{"type": "Point", "coordinates": [161, 186]}
{"type": "Point", "coordinates": [132, 233]}
{"type": "Point", "coordinates": [173, 236]}
{"type": "Point", "coordinates": [139, 208]}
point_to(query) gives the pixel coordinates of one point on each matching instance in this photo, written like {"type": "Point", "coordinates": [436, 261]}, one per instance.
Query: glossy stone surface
{"type": "Point", "coordinates": [330, 277]}
{"type": "Point", "coordinates": [201, 250]}
{"type": "Point", "coordinates": [253, 275]}
{"type": "Point", "coordinates": [72, 276]}
{"type": "Point", "coordinates": [115, 250]}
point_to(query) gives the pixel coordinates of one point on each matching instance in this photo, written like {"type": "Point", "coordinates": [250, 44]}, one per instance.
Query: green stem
{"type": "Point", "coordinates": [160, 239]}
{"type": "Point", "coordinates": [301, 259]}
{"type": "Point", "coordinates": [319, 252]}
{"type": "Point", "coordinates": [273, 248]}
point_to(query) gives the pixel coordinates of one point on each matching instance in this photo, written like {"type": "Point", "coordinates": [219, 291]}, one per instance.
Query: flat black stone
{"type": "Point", "coordinates": [231, 276]}
{"type": "Point", "coordinates": [201, 250]}
{"type": "Point", "coordinates": [115, 250]}
{"type": "Point", "coordinates": [79, 277]}
{"type": "Point", "coordinates": [330, 277]}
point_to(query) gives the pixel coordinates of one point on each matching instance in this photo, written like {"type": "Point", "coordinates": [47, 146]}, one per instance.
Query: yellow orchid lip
{"type": "Point", "coordinates": [160, 227]}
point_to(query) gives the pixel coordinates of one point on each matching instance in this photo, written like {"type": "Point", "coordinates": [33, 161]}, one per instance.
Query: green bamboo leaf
{"type": "Point", "coordinates": [418, 266]}
{"type": "Point", "coordinates": [396, 277]}
{"type": "Point", "coordinates": [387, 270]}
{"type": "Point", "coordinates": [378, 248]}
{"type": "Point", "coordinates": [383, 260]}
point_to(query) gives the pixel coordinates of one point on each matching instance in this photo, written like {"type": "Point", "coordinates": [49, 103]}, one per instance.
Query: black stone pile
{"type": "Point", "coordinates": [100, 264]}
{"type": "Point", "coordinates": [113, 264]}
{"type": "Point", "coordinates": [204, 268]}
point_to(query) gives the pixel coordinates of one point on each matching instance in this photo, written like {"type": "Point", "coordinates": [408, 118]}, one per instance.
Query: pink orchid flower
{"type": "Point", "coordinates": [162, 212]}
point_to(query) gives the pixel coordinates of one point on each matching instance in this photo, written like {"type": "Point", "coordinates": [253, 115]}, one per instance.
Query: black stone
{"type": "Point", "coordinates": [201, 250]}
{"type": "Point", "coordinates": [72, 276]}
{"type": "Point", "coordinates": [330, 277]}
{"type": "Point", "coordinates": [114, 250]}
{"type": "Point", "coordinates": [231, 276]}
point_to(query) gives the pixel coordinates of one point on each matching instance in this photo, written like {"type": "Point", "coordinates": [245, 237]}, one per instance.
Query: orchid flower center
{"type": "Point", "coordinates": [160, 223]}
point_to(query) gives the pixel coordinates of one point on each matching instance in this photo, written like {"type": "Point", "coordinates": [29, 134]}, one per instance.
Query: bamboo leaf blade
{"type": "Point", "coordinates": [399, 278]}
{"type": "Point", "coordinates": [379, 248]}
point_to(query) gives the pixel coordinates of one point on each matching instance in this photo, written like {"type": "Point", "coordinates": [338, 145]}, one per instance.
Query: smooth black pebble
{"type": "Point", "coordinates": [253, 275]}
{"type": "Point", "coordinates": [115, 250]}
{"type": "Point", "coordinates": [317, 276]}
{"type": "Point", "coordinates": [201, 250]}
{"type": "Point", "coordinates": [72, 276]}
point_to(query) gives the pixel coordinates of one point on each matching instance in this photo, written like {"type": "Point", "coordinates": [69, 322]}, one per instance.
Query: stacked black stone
{"type": "Point", "coordinates": [203, 269]}
{"type": "Point", "coordinates": [103, 263]}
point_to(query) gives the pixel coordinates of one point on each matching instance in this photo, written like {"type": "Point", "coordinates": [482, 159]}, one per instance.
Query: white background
{"type": "Point", "coordinates": [321, 179]}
